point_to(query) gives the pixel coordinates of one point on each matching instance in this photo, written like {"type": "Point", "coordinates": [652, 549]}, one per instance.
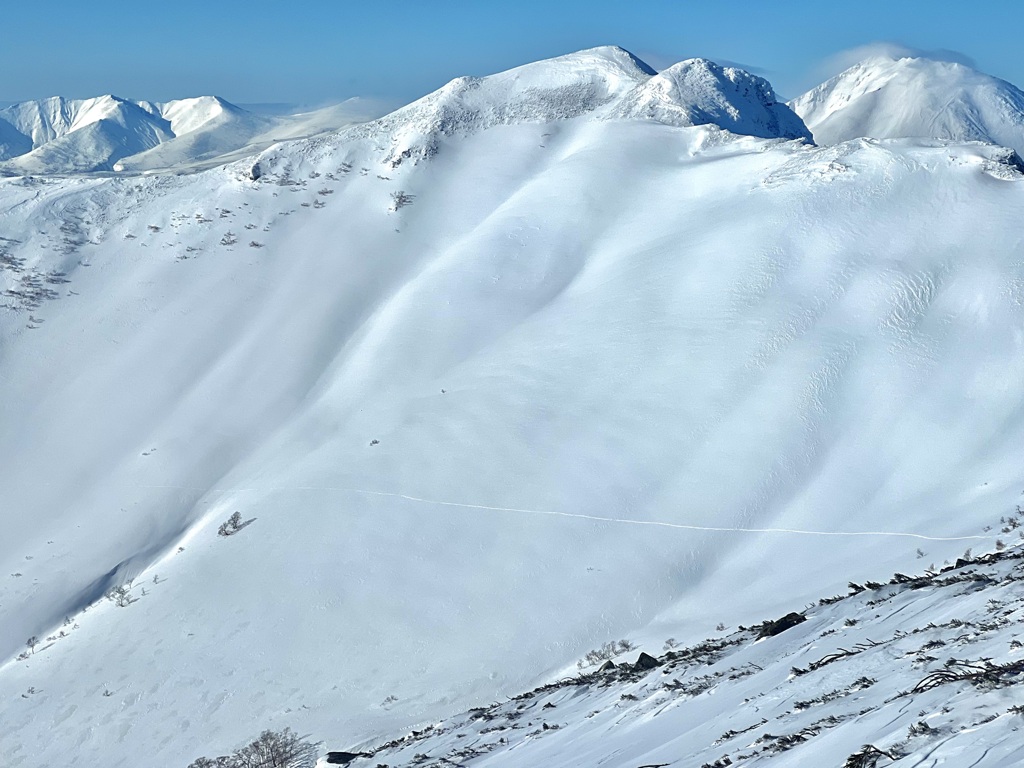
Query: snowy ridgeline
{"type": "Point", "coordinates": [107, 133]}
{"type": "Point", "coordinates": [489, 382]}
{"type": "Point", "coordinates": [891, 96]}
{"type": "Point", "coordinates": [602, 83]}
{"type": "Point", "coordinates": [62, 136]}
{"type": "Point", "coordinates": [918, 670]}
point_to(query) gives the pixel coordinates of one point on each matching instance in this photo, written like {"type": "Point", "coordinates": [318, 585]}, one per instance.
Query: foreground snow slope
{"type": "Point", "coordinates": [534, 389]}
{"type": "Point", "coordinates": [889, 97]}
{"type": "Point", "coordinates": [926, 670]}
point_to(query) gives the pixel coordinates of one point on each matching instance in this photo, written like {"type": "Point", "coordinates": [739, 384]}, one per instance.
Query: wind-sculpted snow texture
{"type": "Point", "coordinates": [395, 372]}
{"type": "Point", "coordinates": [907, 97]}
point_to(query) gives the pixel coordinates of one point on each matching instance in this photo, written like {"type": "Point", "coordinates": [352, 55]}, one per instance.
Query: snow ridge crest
{"type": "Point", "coordinates": [607, 83]}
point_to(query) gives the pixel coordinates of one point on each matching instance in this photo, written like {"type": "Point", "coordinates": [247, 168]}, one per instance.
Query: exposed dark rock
{"type": "Point", "coordinates": [778, 626]}
{"type": "Point", "coordinates": [344, 758]}
{"type": "Point", "coordinates": [646, 661]}
{"type": "Point", "coordinates": [1011, 159]}
{"type": "Point", "coordinates": [608, 666]}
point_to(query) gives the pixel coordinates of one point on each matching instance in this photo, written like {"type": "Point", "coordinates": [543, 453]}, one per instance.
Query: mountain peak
{"type": "Point", "coordinates": [888, 96]}
{"type": "Point", "coordinates": [612, 54]}
{"type": "Point", "coordinates": [701, 92]}
{"type": "Point", "coordinates": [608, 82]}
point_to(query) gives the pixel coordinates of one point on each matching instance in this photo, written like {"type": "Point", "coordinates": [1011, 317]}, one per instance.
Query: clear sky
{"type": "Point", "coordinates": [315, 51]}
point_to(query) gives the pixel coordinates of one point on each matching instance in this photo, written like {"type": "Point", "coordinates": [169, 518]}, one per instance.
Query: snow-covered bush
{"type": "Point", "coordinates": [606, 652]}
{"type": "Point", "coordinates": [121, 595]}
{"type": "Point", "coordinates": [231, 526]}
{"type": "Point", "coordinates": [400, 199]}
{"type": "Point", "coordinates": [271, 749]}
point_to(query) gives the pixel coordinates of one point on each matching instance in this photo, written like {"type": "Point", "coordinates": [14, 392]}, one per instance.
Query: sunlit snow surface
{"type": "Point", "coordinates": [889, 97]}
{"type": "Point", "coordinates": [608, 318]}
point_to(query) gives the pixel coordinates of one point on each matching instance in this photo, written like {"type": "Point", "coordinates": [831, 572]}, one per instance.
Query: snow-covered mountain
{"type": "Point", "coordinates": [605, 83]}
{"type": "Point", "coordinates": [77, 135]}
{"type": "Point", "coordinates": [888, 97]}
{"type": "Point", "coordinates": [544, 360]}
{"type": "Point", "coordinates": [61, 136]}
{"type": "Point", "coordinates": [700, 92]}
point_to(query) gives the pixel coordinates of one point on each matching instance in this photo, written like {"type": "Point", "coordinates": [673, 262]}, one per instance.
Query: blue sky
{"type": "Point", "coordinates": [314, 51]}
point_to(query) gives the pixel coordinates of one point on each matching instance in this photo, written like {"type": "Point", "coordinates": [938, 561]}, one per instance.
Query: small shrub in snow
{"type": "Point", "coordinates": [606, 652]}
{"type": "Point", "coordinates": [866, 757]}
{"type": "Point", "coordinates": [120, 595]}
{"type": "Point", "coordinates": [232, 526]}
{"type": "Point", "coordinates": [32, 642]}
{"type": "Point", "coordinates": [920, 728]}
{"type": "Point", "coordinates": [271, 749]}
{"type": "Point", "coordinates": [400, 199]}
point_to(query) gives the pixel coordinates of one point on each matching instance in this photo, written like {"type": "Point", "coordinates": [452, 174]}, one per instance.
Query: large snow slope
{"type": "Point", "coordinates": [495, 382]}
{"type": "Point", "coordinates": [57, 135]}
{"type": "Point", "coordinates": [888, 97]}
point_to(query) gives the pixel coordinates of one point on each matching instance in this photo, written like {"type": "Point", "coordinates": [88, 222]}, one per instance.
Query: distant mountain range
{"type": "Point", "coordinates": [883, 97]}
{"type": "Point", "coordinates": [107, 133]}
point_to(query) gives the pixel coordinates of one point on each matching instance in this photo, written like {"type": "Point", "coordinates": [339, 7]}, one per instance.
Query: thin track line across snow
{"type": "Point", "coordinates": [581, 516]}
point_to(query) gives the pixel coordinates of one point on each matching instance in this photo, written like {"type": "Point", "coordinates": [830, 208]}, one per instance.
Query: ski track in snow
{"type": "Point", "coordinates": [576, 515]}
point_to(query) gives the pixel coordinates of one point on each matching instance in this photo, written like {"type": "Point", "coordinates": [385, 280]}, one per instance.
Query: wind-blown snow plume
{"type": "Point", "coordinates": [896, 95]}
